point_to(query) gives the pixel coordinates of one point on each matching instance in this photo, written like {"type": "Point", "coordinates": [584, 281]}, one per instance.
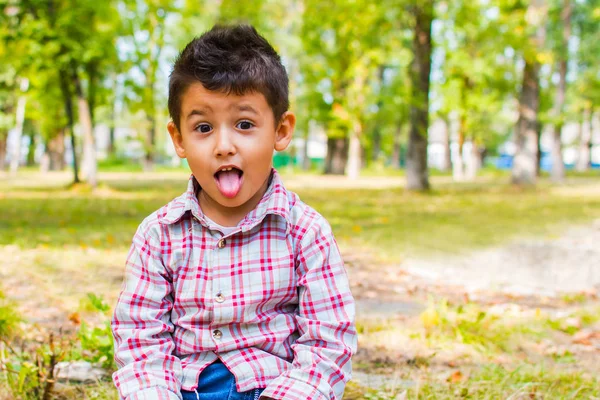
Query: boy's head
{"type": "Point", "coordinates": [228, 100]}
{"type": "Point", "coordinates": [233, 60]}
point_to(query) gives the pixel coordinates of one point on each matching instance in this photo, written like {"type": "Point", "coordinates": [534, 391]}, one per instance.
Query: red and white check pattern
{"type": "Point", "coordinates": [271, 300]}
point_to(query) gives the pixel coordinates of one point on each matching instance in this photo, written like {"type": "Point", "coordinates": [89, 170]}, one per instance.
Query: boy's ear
{"type": "Point", "coordinates": [176, 138]}
{"type": "Point", "coordinates": [285, 130]}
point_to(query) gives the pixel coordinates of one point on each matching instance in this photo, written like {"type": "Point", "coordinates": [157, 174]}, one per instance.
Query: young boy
{"type": "Point", "coordinates": [236, 289]}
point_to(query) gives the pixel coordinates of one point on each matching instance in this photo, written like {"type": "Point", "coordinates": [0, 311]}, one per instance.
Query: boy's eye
{"type": "Point", "coordinates": [204, 128]}
{"type": "Point", "coordinates": [244, 125]}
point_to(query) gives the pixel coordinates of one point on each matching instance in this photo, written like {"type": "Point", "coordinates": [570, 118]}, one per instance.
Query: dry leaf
{"type": "Point", "coordinates": [75, 318]}
{"type": "Point", "coordinates": [585, 337]}
{"type": "Point", "coordinates": [456, 377]}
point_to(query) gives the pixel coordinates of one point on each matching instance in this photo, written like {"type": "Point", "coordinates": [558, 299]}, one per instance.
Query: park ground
{"type": "Point", "coordinates": [475, 290]}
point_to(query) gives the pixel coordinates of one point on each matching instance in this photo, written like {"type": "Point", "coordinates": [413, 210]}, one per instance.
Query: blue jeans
{"type": "Point", "coordinates": [217, 383]}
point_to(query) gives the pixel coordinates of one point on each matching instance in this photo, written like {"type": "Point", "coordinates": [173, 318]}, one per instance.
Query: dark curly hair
{"type": "Point", "coordinates": [230, 59]}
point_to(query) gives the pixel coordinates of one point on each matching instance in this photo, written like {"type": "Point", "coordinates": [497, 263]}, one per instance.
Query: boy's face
{"type": "Point", "coordinates": [228, 141]}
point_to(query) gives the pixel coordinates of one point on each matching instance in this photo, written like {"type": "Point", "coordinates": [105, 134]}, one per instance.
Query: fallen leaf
{"type": "Point", "coordinates": [75, 318]}
{"type": "Point", "coordinates": [456, 377]}
{"type": "Point", "coordinates": [585, 337]}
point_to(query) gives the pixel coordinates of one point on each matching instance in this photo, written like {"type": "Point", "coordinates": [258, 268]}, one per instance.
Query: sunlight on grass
{"type": "Point", "coordinates": [69, 241]}
{"type": "Point", "coordinates": [392, 223]}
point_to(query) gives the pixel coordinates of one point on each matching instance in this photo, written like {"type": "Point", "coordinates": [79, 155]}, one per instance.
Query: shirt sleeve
{"type": "Point", "coordinates": [325, 320]}
{"type": "Point", "coordinates": [142, 327]}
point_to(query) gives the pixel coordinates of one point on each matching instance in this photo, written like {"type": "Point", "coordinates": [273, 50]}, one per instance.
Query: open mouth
{"type": "Point", "coordinates": [229, 180]}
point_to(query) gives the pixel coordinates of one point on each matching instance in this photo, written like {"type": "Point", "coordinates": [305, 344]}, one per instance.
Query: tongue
{"type": "Point", "coordinates": [229, 183]}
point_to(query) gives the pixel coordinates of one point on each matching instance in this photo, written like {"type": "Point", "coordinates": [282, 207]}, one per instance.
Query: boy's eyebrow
{"type": "Point", "coordinates": [198, 112]}
{"type": "Point", "coordinates": [245, 107]}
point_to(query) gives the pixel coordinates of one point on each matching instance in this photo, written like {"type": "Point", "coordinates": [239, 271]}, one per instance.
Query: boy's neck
{"type": "Point", "coordinates": [229, 216]}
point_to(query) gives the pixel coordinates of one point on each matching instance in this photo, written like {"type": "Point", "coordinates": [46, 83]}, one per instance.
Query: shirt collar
{"type": "Point", "coordinates": [275, 201]}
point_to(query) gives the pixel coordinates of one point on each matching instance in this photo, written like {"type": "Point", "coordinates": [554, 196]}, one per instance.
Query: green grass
{"type": "Point", "coordinates": [452, 219]}
{"type": "Point", "coordinates": [526, 381]}
{"type": "Point", "coordinates": [71, 233]}
{"type": "Point", "coordinates": [389, 222]}
{"type": "Point", "coordinates": [489, 382]}
{"type": "Point", "coordinates": [9, 318]}
{"type": "Point", "coordinates": [469, 351]}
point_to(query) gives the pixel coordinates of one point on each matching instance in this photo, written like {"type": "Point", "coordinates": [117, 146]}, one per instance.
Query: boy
{"type": "Point", "coordinates": [235, 289]}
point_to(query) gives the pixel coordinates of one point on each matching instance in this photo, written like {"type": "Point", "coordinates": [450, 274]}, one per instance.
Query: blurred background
{"type": "Point", "coordinates": [454, 146]}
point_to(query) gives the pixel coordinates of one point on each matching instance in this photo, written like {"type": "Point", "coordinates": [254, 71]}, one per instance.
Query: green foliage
{"type": "Point", "coordinates": [470, 324]}
{"type": "Point", "coordinates": [28, 368]}
{"type": "Point", "coordinates": [9, 318]}
{"type": "Point", "coordinates": [527, 381]}
{"type": "Point", "coordinates": [97, 341]}
{"type": "Point", "coordinates": [491, 382]}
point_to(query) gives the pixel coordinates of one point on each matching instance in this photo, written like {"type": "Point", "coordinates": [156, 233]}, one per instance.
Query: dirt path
{"type": "Point", "coordinates": [545, 267]}
{"type": "Point", "coordinates": [523, 276]}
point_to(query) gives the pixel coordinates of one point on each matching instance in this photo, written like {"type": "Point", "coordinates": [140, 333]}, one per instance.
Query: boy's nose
{"type": "Point", "coordinates": [224, 145]}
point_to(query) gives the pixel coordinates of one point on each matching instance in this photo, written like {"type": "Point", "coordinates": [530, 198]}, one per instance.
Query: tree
{"type": "Point", "coordinates": [525, 161]}
{"type": "Point", "coordinates": [476, 78]}
{"type": "Point", "coordinates": [416, 167]}
{"type": "Point", "coordinates": [20, 120]}
{"type": "Point", "coordinates": [145, 36]}
{"type": "Point", "coordinates": [70, 42]}
{"type": "Point", "coordinates": [584, 93]}
{"type": "Point", "coordinates": [562, 50]}
{"type": "Point", "coordinates": [7, 103]}
{"type": "Point", "coordinates": [345, 57]}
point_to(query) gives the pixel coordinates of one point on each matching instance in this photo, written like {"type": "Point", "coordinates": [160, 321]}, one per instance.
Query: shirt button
{"type": "Point", "coordinates": [217, 334]}
{"type": "Point", "coordinates": [219, 298]}
{"type": "Point", "coordinates": [221, 243]}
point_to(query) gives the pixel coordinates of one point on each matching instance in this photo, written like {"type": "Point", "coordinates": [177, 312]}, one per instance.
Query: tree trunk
{"type": "Point", "coordinates": [591, 141]}
{"type": "Point", "coordinates": [447, 163]}
{"type": "Point", "coordinates": [538, 155]}
{"type": "Point", "coordinates": [558, 164]}
{"type": "Point", "coordinates": [305, 157]}
{"type": "Point", "coordinates": [397, 147]}
{"type": "Point", "coordinates": [458, 166]}
{"type": "Point", "coordinates": [585, 154]}
{"type": "Point", "coordinates": [376, 149]}
{"type": "Point", "coordinates": [337, 156]}
{"type": "Point", "coordinates": [111, 133]}
{"type": "Point", "coordinates": [89, 167]}
{"type": "Point", "coordinates": [31, 149]}
{"type": "Point", "coordinates": [113, 116]}
{"type": "Point", "coordinates": [56, 152]}
{"type": "Point", "coordinates": [15, 157]}
{"type": "Point", "coordinates": [64, 85]}
{"type": "Point", "coordinates": [526, 137]}
{"type": "Point", "coordinates": [474, 163]}
{"type": "Point", "coordinates": [354, 152]}
{"type": "Point", "coordinates": [525, 162]}
{"type": "Point", "coordinates": [416, 167]}
{"type": "Point", "coordinates": [150, 144]}
{"type": "Point", "coordinates": [3, 150]}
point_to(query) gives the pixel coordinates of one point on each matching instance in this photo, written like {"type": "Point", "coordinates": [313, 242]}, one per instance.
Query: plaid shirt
{"type": "Point", "coordinates": [271, 300]}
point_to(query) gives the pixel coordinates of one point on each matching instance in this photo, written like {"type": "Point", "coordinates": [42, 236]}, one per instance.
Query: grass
{"type": "Point", "coordinates": [480, 352]}
{"type": "Point", "coordinates": [52, 233]}
{"type": "Point", "coordinates": [391, 223]}
{"type": "Point", "coordinates": [9, 318]}
{"type": "Point", "coordinates": [491, 382]}
{"type": "Point", "coordinates": [497, 382]}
